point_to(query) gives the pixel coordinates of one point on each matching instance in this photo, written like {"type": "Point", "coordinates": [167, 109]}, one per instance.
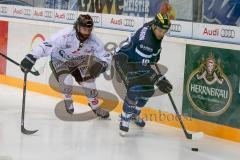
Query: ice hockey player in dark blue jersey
{"type": "Point", "coordinates": [133, 64]}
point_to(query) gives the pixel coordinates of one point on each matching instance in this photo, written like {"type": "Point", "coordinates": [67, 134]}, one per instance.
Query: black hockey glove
{"type": "Point", "coordinates": [97, 68]}
{"type": "Point", "coordinates": [164, 85]}
{"type": "Point", "coordinates": [28, 62]}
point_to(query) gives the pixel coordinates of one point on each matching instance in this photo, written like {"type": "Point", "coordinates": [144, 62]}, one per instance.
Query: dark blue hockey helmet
{"type": "Point", "coordinates": [162, 21]}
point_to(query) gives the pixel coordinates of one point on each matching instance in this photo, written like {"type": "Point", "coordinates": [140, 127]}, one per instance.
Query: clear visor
{"type": "Point", "coordinates": [161, 30]}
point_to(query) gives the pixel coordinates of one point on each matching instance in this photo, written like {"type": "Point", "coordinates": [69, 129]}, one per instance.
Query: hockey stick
{"type": "Point", "coordinates": [193, 136]}
{"type": "Point", "coordinates": [36, 73]}
{"type": "Point", "coordinates": [24, 130]}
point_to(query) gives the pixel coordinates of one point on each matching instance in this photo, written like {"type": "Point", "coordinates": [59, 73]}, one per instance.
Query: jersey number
{"type": "Point", "coordinates": [145, 61]}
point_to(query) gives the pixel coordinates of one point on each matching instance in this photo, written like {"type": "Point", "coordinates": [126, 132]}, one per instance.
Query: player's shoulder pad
{"type": "Point", "coordinates": [95, 40]}
{"type": "Point", "coordinates": [64, 33]}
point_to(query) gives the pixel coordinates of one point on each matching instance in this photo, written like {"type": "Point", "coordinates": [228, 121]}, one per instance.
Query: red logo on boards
{"type": "Point", "coordinates": [60, 16]}
{"type": "Point", "coordinates": [16, 11]}
{"type": "Point", "coordinates": [211, 32]}
{"type": "Point", "coordinates": [39, 14]}
{"type": "Point", "coordinates": [116, 21]}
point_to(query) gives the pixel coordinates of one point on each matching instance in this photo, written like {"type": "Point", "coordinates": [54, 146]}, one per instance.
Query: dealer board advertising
{"type": "Point", "coordinates": [212, 85]}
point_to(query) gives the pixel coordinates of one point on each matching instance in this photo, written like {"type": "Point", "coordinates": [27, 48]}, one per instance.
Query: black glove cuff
{"type": "Point", "coordinates": [31, 58]}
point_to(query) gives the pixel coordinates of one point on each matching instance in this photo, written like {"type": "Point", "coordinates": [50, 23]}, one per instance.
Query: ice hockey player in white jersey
{"type": "Point", "coordinates": [74, 51]}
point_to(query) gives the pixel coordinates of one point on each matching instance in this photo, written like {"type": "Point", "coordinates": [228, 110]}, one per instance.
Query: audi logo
{"type": "Point", "coordinates": [176, 28]}
{"type": "Point", "coordinates": [227, 33]}
{"type": "Point", "coordinates": [48, 14]}
{"type": "Point", "coordinates": [129, 22]}
{"type": "Point", "coordinates": [96, 19]}
{"type": "Point", "coordinates": [27, 12]}
{"type": "Point", "coordinates": [70, 16]}
{"type": "Point", "coordinates": [3, 10]}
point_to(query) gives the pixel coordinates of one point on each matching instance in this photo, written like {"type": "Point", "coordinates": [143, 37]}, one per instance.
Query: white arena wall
{"type": "Point", "coordinates": [21, 33]}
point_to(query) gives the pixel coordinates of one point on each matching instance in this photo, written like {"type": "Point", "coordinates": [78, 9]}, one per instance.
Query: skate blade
{"type": "Point", "coordinates": [101, 118]}
{"type": "Point", "coordinates": [122, 133]}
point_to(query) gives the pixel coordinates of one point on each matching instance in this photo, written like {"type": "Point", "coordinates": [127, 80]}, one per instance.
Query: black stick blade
{"type": "Point", "coordinates": [27, 132]}
{"type": "Point", "coordinates": [189, 136]}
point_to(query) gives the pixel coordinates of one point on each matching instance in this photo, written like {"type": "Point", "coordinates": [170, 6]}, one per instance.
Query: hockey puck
{"type": "Point", "coordinates": [195, 149]}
